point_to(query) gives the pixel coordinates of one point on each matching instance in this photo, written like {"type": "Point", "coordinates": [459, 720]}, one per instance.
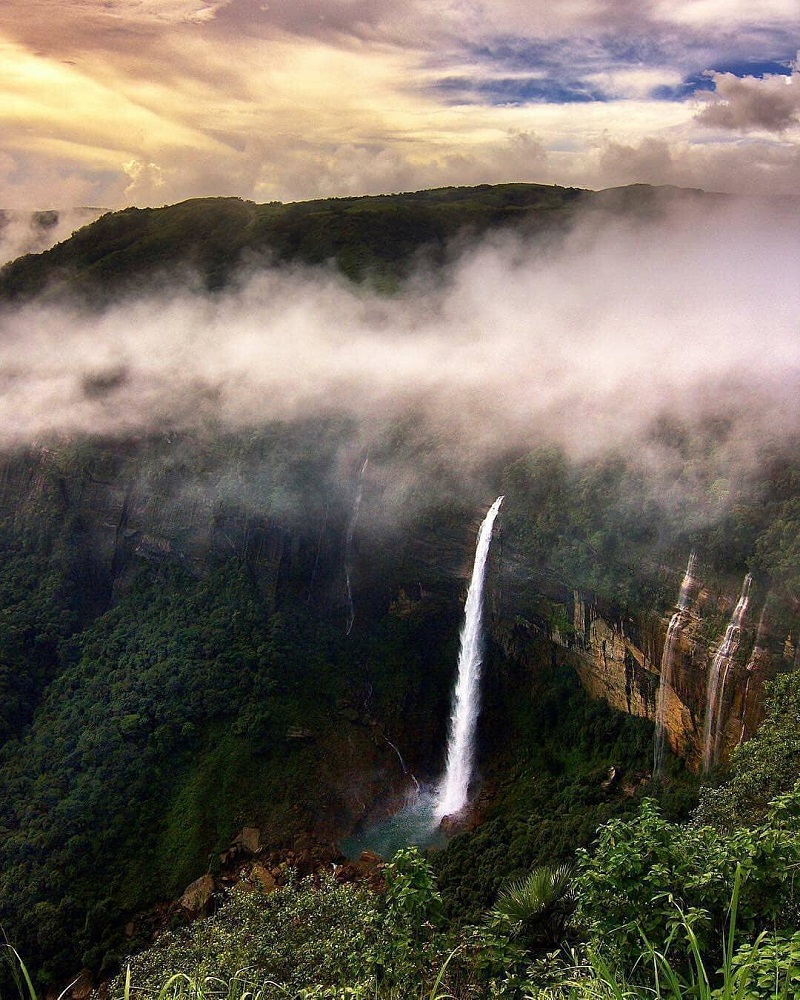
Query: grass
{"type": "Point", "coordinates": [21, 978]}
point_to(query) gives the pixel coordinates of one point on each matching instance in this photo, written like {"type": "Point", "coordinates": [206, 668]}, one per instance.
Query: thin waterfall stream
{"type": "Point", "coordinates": [718, 675]}
{"type": "Point", "coordinates": [668, 664]}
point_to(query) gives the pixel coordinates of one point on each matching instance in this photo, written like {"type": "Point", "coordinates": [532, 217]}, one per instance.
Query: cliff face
{"type": "Point", "coordinates": [108, 510]}
{"type": "Point", "coordinates": [112, 509]}
{"type": "Point", "coordinates": [619, 659]}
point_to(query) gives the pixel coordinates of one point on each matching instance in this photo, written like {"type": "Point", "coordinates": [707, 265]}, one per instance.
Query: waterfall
{"type": "Point", "coordinates": [718, 676]}
{"type": "Point", "coordinates": [348, 544]}
{"type": "Point", "coordinates": [759, 649]}
{"type": "Point", "coordinates": [403, 763]}
{"type": "Point", "coordinates": [451, 795]}
{"type": "Point", "coordinates": [667, 666]}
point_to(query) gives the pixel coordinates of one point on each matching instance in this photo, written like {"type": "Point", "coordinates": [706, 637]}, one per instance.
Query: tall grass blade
{"type": "Point", "coordinates": [434, 994]}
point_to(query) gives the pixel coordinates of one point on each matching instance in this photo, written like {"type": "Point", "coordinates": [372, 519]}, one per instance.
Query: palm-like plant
{"type": "Point", "coordinates": [539, 905]}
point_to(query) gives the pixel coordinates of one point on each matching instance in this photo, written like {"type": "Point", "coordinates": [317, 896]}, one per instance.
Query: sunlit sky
{"type": "Point", "coordinates": [147, 102]}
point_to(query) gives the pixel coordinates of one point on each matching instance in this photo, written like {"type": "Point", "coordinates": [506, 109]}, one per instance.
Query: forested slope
{"type": "Point", "coordinates": [381, 238]}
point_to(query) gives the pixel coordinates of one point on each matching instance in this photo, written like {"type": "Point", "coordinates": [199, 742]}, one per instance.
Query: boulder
{"type": "Point", "coordinates": [196, 897]}
{"type": "Point", "coordinates": [263, 877]}
{"type": "Point", "coordinates": [82, 987]}
{"type": "Point", "coordinates": [249, 839]}
{"type": "Point", "coordinates": [303, 842]}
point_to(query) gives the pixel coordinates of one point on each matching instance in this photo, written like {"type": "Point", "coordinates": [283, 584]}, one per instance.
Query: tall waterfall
{"type": "Point", "coordinates": [451, 795]}
{"type": "Point", "coordinates": [717, 677]}
{"type": "Point", "coordinates": [667, 666]}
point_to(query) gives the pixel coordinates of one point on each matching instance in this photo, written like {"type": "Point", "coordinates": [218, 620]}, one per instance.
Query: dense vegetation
{"type": "Point", "coordinates": [653, 908]}
{"type": "Point", "coordinates": [166, 725]}
{"type": "Point", "coordinates": [149, 722]}
{"type": "Point", "coordinates": [179, 659]}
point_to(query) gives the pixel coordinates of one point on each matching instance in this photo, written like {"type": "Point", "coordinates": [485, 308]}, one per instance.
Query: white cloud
{"type": "Point", "coordinates": [771, 104]}
{"type": "Point", "coordinates": [583, 347]}
{"type": "Point", "coordinates": [23, 232]}
{"type": "Point", "coordinates": [636, 83]}
{"type": "Point", "coordinates": [725, 13]}
{"type": "Point", "coordinates": [326, 97]}
{"type": "Point", "coordinates": [761, 168]}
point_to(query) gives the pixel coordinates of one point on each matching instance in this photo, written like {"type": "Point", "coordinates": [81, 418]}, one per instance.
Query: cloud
{"type": "Point", "coordinates": [112, 14]}
{"type": "Point", "coordinates": [726, 12]}
{"type": "Point", "coordinates": [283, 101]}
{"type": "Point", "coordinates": [765, 168]}
{"type": "Point", "coordinates": [434, 24]}
{"type": "Point", "coordinates": [145, 179]}
{"type": "Point", "coordinates": [584, 346]}
{"type": "Point", "coordinates": [32, 232]}
{"type": "Point", "coordinates": [771, 103]}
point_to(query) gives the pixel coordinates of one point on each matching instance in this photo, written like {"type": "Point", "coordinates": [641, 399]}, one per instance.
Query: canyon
{"type": "Point", "coordinates": [116, 509]}
{"type": "Point", "coordinates": [618, 658]}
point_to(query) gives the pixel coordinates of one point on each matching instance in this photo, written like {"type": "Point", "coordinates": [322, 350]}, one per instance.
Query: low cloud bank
{"type": "Point", "coordinates": [584, 346]}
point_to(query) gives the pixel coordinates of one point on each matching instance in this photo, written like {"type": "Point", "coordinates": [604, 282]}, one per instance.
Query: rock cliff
{"type": "Point", "coordinates": [618, 658]}
{"type": "Point", "coordinates": [116, 506]}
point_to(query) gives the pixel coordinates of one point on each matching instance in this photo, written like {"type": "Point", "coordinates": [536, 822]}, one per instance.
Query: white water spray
{"type": "Point", "coordinates": [451, 795]}
{"type": "Point", "coordinates": [717, 677]}
{"type": "Point", "coordinates": [668, 664]}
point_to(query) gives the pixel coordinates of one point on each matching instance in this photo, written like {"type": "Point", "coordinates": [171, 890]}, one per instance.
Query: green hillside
{"type": "Point", "coordinates": [375, 238]}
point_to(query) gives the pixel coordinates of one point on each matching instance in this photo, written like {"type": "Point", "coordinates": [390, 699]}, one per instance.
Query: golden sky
{"type": "Point", "coordinates": [147, 102]}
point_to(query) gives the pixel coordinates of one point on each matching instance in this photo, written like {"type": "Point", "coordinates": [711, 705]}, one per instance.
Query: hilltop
{"type": "Point", "coordinates": [209, 241]}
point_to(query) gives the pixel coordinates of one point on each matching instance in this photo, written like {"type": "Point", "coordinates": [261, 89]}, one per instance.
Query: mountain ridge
{"type": "Point", "coordinates": [208, 241]}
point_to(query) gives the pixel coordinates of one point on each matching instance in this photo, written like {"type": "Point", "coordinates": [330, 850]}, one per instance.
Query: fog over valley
{"type": "Point", "coordinates": [582, 342]}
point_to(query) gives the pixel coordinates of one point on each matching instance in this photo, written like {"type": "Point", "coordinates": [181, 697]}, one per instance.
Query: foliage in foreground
{"type": "Point", "coordinates": [665, 911]}
{"type": "Point", "coordinates": [767, 765]}
{"type": "Point", "coordinates": [647, 877]}
{"type": "Point", "coordinates": [316, 937]}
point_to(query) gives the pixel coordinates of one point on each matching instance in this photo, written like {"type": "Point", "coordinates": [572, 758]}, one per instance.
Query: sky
{"type": "Point", "coordinates": [112, 103]}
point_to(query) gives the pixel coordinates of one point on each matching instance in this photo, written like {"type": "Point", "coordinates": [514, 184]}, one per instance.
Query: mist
{"type": "Point", "coordinates": [585, 344]}
{"type": "Point", "coordinates": [32, 232]}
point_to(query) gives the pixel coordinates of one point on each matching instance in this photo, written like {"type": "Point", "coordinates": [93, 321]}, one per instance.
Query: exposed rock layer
{"type": "Point", "coordinates": [118, 509]}
{"type": "Point", "coordinates": [618, 659]}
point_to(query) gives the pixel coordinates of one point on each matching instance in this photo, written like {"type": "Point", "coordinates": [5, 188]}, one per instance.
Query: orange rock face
{"type": "Point", "coordinates": [619, 660]}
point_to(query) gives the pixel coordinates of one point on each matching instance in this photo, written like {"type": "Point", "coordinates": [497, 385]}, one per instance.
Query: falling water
{"type": "Point", "coordinates": [667, 665]}
{"type": "Point", "coordinates": [348, 544]}
{"type": "Point", "coordinates": [718, 675]}
{"type": "Point", "coordinates": [451, 795]}
{"type": "Point", "coordinates": [403, 764]}
{"type": "Point", "coordinates": [752, 664]}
